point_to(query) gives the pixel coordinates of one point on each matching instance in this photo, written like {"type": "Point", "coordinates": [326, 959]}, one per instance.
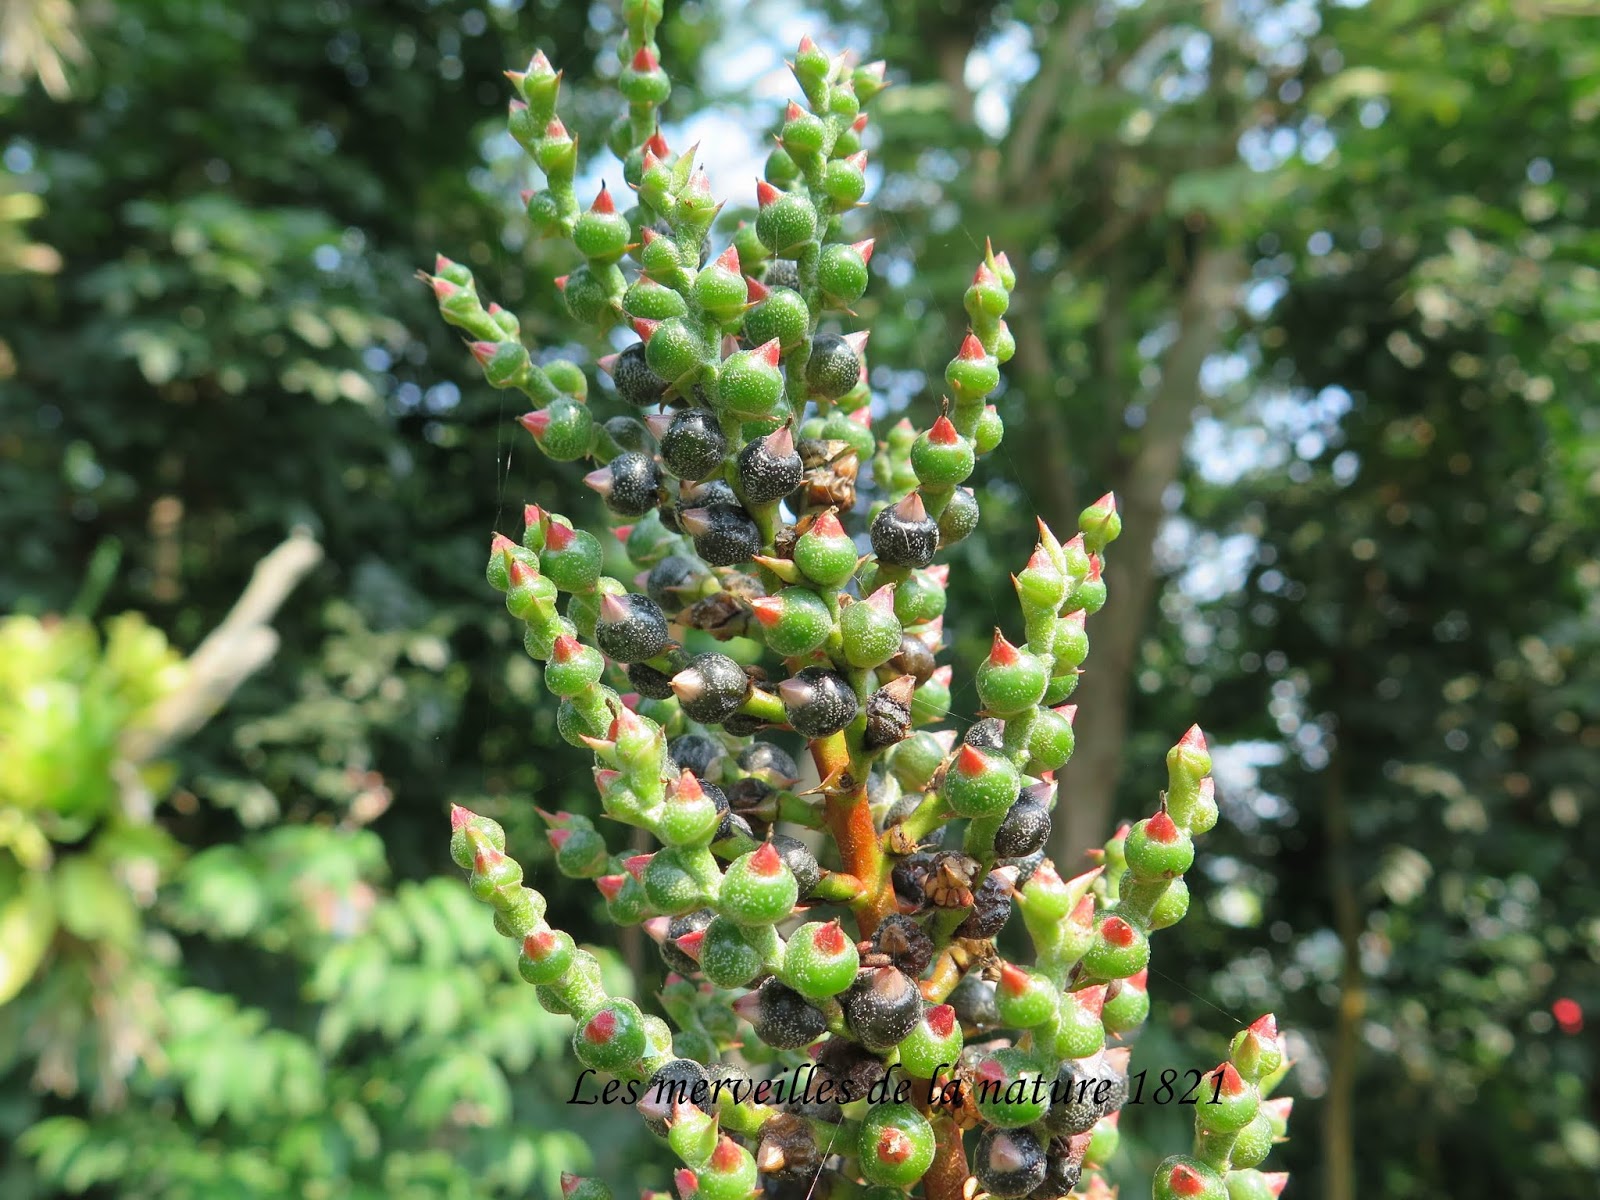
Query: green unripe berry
{"type": "Point", "coordinates": [1024, 1000]}
{"type": "Point", "coordinates": [781, 315]}
{"type": "Point", "coordinates": [934, 1043]}
{"type": "Point", "coordinates": [1051, 740]}
{"type": "Point", "coordinates": [840, 428]}
{"type": "Point", "coordinates": [720, 289]}
{"type": "Point", "coordinates": [1230, 1103]}
{"type": "Point", "coordinates": [987, 297]}
{"type": "Point", "coordinates": [564, 429]}
{"type": "Point", "coordinates": [973, 372]}
{"type": "Point", "coordinates": [567, 376]}
{"type": "Point", "coordinates": [941, 456]}
{"type": "Point", "coordinates": [896, 1145]}
{"type": "Point", "coordinates": [749, 382]}
{"type": "Point", "coordinates": [546, 956]}
{"type": "Point", "coordinates": [690, 816]}
{"type": "Point", "coordinates": [539, 641]}
{"type": "Point", "coordinates": [869, 631]}
{"type": "Point", "coordinates": [468, 831]}
{"type": "Point", "coordinates": [1080, 1031]}
{"type": "Point", "coordinates": [572, 667]}
{"type": "Point", "coordinates": [727, 959]}
{"type": "Point", "coordinates": [842, 271]}
{"type": "Point", "coordinates": [588, 297]}
{"type": "Point", "coordinates": [794, 622]}
{"type": "Point", "coordinates": [959, 518]}
{"type": "Point", "coordinates": [642, 81]}
{"type": "Point", "coordinates": [653, 301]}
{"type": "Point", "coordinates": [1254, 1185]}
{"type": "Point", "coordinates": [674, 351]}
{"type": "Point", "coordinates": [1009, 1093]}
{"type": "Point", "coordinates": [498, 571]}
{"type": "Point", "coordinates": [1071, 644]}
{"type": "Point", "coordinates": [1119, 949]}
{"type": "Point", "coordinates": [820, 961]}
{"type": "Point", "coordinates": [602, 234]}
{"type": "Point", "coordinates": [930, 704]}
{"type": "Point", "coordinates": [1010, 680]}
{"type": "Point", "coordinates": [920, 598]}
{"type": "Point", "coordinates": [1128, 1008]}
{"type": "Point", "coordinates": [611, 1038]}
{"type": "Point", "coordinates": [1183, 1178]}
{"type": "Point", "coordinates": [1251, 1145]}
{"type": "Point", "coordinates": [572, 559]}
{"type": "Point", "coordinates": [990, 430]}
{"type": "Point", "coordinates": [580, 850]}
{"type": "Point", "coordinates": [758, 889]}
{"type": "Point", "coordinates": [780, 171]}
{"type": "Point", "coordinates": [803, 133]}
{"type": "Point", "coordinates": [979, 784]}
{"type": "Point", "coordinates": [669, 883]}
{"type": "Point", "coordinates": [844, 181]}
{"type": "Point", "coordinates": [825, 553]}
{"type": "Point", "coordinates": [786, 220]}
{"type": "Point", "coordinates": [915, 760]}
{"type": "Point", "coordinates": [1158, 849]}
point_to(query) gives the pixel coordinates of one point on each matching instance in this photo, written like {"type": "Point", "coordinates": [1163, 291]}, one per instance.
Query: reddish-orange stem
{"type": "Point", "coordinates": [849, 818]}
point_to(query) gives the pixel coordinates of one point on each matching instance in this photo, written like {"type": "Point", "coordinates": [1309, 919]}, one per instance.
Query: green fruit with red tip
{"type": "Point", "coordinates": [572, 667]}
{"type": "Point", "coordinates": [528, 593]}
{"type": "Point", "coordinates": [1104, 1141]}
{"type": "Point", "coordinates": [825, 553]}
{"type": "Point", "coordinates": [959, 518]}
{"type": "Point", "coordinates": [673, 351]}
{"type": "Point", "coordinates": [919, 598]}
{"type": "Point", "coordinates": [781, 316]}
{"type": "Point", "coordinates": [727, 959]}
{"type": "Point", "coordinates": [749, 382]}
{"type": "Point", "coordinates": [1071, 644]}
{"type": "Point", "coordinates": [786, 221]}
{"type": "Point", "coordinates": [1011, 681]}
{"type": "Point", "coordinates": [1100, 524]}
{"type": "Point", "coordinates": [729, 1175]}
{"type": "Point", "coordinates": [720, 289]}
{"type": "Point", "coordinates": [838, 427]}
{"type": "Point", "coordinates": [588, 297]}
{"type": "Point", "coordinates": [539, 637]}
{"type": "Point", "coordinates": [979, 784]}
{"type": "Point", "coordinates": [987, 296]}
{"type": "Point", "coordinates": [794, 622]}
{"type": "Point", "coordinates": [652, 301]}
{"type": "Point", "coordinates": [1158, 849]}
{"type": "Point", "coordinates": [942, 457]}
{"type": "Point", "coordinates": [896, 1145]}
{"type": "Point", "coordinates": [1252, 1144]}
{"type": "Point", "coordinates": [915, 760]}
{"type": "Point", "coordinates": [497, 572]}
{"type": "Point", "coordinates": [602, 234]}
{"type": "Point", "coordinates": [469, 832]}
{"type": "Point", "coordinates": [563, 428]}
{"type": "Point", "coordinates": [672, 886]}
{"type": "Point", "coordinates": [1119, 949]}
{"type": "Point", "coordinates": [1128, 1007]}
{"type": "Point", "coordinates": [580, 850]}
{"type": "Point", "coordinates": [842, 272]}
{"type": "Point", "coordinates": [869, 631]}
{"type": "Point", "coordinates": [973, 372]}
{"type": "Point", "coordinates": [1024, 1000]}
{"type": "Point", "coordinates": [1051, 740]}
{"type": "Point", "coordinates": [572, 559]}
{"type": "Point", "coordinates": [820, 961]}
{"type": "Point", "coordinates": [1183, 1178]}
{"type": "Point", "coordinates": [612, 1037]}
{"type": "Point", "coordinates": [933, 1044]}
{"type": "Point", "coordinates": [931, 703]}
{"type": "Point", "coordinates": [690, 816]}
{"type": "Point", "coordinates": [758, 888]}
{"type": "Point", "coordinates": [1230, 1103]}
{"type": "Point", "coordinates": [1080, 1031]}
{"type": "Point", "coordinates": [1010, 1094]}
{"type": "Point", "coordinates": [1255, 1185]}
{"type": "Point", "coordinates": [642, 81]}
{"type": "Point", "coordinates": [844, 181]}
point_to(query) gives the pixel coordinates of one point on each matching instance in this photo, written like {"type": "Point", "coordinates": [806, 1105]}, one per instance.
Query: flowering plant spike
{"type": "Point", "coordinates": [839, 939]}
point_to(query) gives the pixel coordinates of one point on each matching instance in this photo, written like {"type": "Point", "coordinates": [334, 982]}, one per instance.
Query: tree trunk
{"type": "Point", "coordinates": [1089, 784]}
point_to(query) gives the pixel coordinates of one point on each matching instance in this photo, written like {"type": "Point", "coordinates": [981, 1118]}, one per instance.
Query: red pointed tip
{"type": "Point", "coordinates": [864, 249]}
{"type": "Point", "coordinates": [863, 415]}
{"type": "Point", "coordinates": [1117, 931]}
{"type": "Point", "coordinates": [569, 1183]}
{"type": "Point", "coordinates": [636, 864]}
{"type": "Point", "coordinates": [559, 536]}
{"type": "Point", "coordinates": [561, 282]}
{"type": "Point", "coordinates": [768, 610]}
{"type": "Point", "coordinates": [1193, 739]}
{"type": "Point", "coordinates": [1276, 1181]}
{"type": "Point", "coordinates": [983, 276]}
{"type": "Point", "coordinates": [1184, 1180]}
{"type": "Point", "coordinates": [556, 130]}
{"type": "Point", "coordinates": [1093, 574]}
{"type": "Point", "coordinates": [728, 260]}
{"type": "Point", "coordinates": [460, 817]}
{"type": "Point", "coordinates": [830, 939]}
{"type": "Point", "coordinates": [657, 145]}
{"type": "Point", "coordinates": [939, 574]}
{"type": "Point", "coordinates": [603, 202]}
{"type": "Point", "coordinates": [1067, 712]}
{"type": "Point", "coordinates": [793, 112]}
{"type": "Point", "coordinates": [1265, 1026]}
{"type": "Point", "coordinates": [942, 675]}
{"type": "Point", "coordinates": [566, 648]}
{"type": "Point", "coordinates": [970, 761]}
{"type": "Point", "coordinates": [1001, 652]}
{"type": "Point", "coordinates": [558, 837]}
{"type": "Point", "coordinates": [942, 1020]}
{"type": "Point", "coordinates": [1139, 980]}
{"type": "Point", "coordinates": [859, 123]}
{"type": "Point", "coordinates": [858, 160]}
{"type": "Point", "coordinates": [1161, 828]}
{"type": "Point", "coordinates": [911, 508]}
{"type": "Point", "coordinates": [1040, 560]}
{"type": "Point", "coordinates": [1230, 1083]}
{"type": "Point", "coordinates": [539, 944]}
{"type": "Point", "coordinates": [1091, 1000]}
{"type": "Point", "coordinates": [990, 1070]}
{"type": "Point", "coordinates": [605, 779]}
{"type": "Point", "coordinates": [621, 532]}
{"type": "Point", "coordinates": [1107, 502]}
{"type": "Point", "coordinates": [769, 352]}
{"type": "Point", "coordinates": [611, 885]}
{"type": "Point", "coordinates": [1013, 979]}
{"type": "Point", "coordinates": [971, 349]}
{"type": "Point", "coordinates": [644, 328]}
{"type": "Point", "coordinates": [483, 351]}
{"type": "Point", "coordinates": [894, 1146]}
{"type": "Point", "coordinates": [765, 193]}
{"type": "Point", "coordinates": [522, 575]}
{"type": "Point", "coordinates": [687, 1183]}
{"type": "Point", "coordinates": [807, 46]}
{"type": "Point", "coordinates": [690, 943]}
{"type": "Point", "coordinates": [1083, 912]}
{"type": "Point", "coordinates": [645, 60]}
{"type": "Point", "coordinates": [500, 544]}
{"type": "Point", "coordinates": [601, 1028]}
{"type": "Point", "coordinates": [944, 433]}
{"type": "Point", "coordinates": [686, 786]}
{"type": "Point", "coordinates": [725, 1159]}
{"type": "Point", "coordinates": [656, 929]}
{"type": "Point", "coordinates": [827, 525]}
{"type": "Point", "coordinates": [766, 860]}
{"type": "Point", "coordinates": [535, 422]}
{"type": "Point", "coordinates": [857, 341]}
{"type": "Point", "coordinates": [599, 480]}
{"type": "Point", "coordinates": [443, 289]}
{"type": "Point", "coordinates": [755, 291]}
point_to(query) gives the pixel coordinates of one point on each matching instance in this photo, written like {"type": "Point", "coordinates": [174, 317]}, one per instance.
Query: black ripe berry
{"type": "Point", "coordinates": [713, 493]}
{"type": "Point", "coordinates": [743, 725]}
{"type": "Point", "coordinates": [818, 701]}
{"type": "Point", "coordinates": [1083, 1092]}
{"type": "Point", "coordinates": [631, 627]}
{"type": "Point", "coordinates": [678, 1081]}
{"type": "Point", "coordinates": [782, 272]}
{"type": "Point", "coordinates": [914, 658]}
{"type": "Point", "coordinates": [903, 535]}
{"type": "Point", "coordinates": [769, 468]}
{"type": "Point", "coordinates": [682, 926]}
{"type": "Point", "coordinates": [763, 758]}
{"type": "Point", "coordinates": [782, 1017]}
{"type": "Point", "coordinates": [1025, 829]}
{"type": "Point", "coordinates": [991, 907]}
{"type": "Point", "coordinates": [628, 433]}
{"type": "Point", "coordinates": [1009, 1163]}
{"type": "Point", "coordinates": [694, 752]}
{"type": "Point", "coordinates": [630, 484]}
{"type": "Point", "coordinates": [973, 1000]}
{"type": "Point", "coordinates": [636, 383]}
{"type": "Point", "coordinates": [881, 1007]}
{"type": "Point", "coordinates": [711, 687]}
{"type": "Point", "coordinates": [987, 734]}
{"type": "Point", "coordinates": [834, 367]}
{"type": "Point", "coordinates": [674, 579]}
{"type": "Point", "coordinates": [801, 862]}
{"type": "Point", "coordinates": [724, 535]}
{"type": "Point", "coordinates": [649, 682]}
{"type": "Point", "coordinates": [692, 444]}
{"type": "Point", "coordinates": [849, 1066]}
{"type": "Point", "coordinates": [905, 942]}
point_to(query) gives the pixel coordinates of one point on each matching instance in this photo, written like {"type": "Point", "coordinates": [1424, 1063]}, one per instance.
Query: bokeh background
{"type": "Point", "coordinates": [1314, 286]}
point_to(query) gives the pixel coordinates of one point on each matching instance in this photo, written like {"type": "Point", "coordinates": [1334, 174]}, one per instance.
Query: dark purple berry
{"type": "Point", "coordinates": [987, 734]}
{"type": "Point", "coordinates": [672, 581]}
{"type": "Point", "coordinates": [991, 907]}
{"type": "Point", "coordinates": [679, 1081]}
{"type": "Point", "coordinates": [769, 468]}
{"type": "Point", "coordinates": [742, 725]}
{"type": "Point", "coordinates": [1084, 1091]}
{"type": "Point", "coordinates": [1025, 829]}
{"type": "Point", "coordinates": [680, 926]}
{"type": "Point", "coordinates": [782, 272]}
{"type": "Point", "coordinates": [881, 1007]}
{"type": "Point", "coordinates": [628, 433]}
{"type": "Point", "coordinates": [914, 658]}
{"type": "Point", "coordinates": [649, 682]}
{"type": "Point", "coordinates": [819, 702]}
{"type": "Point", "coordinates": [903, 535]}
{"type": "Point", "coordinates": [711, 687]}
{"type": "Point", "coordinates": [635, 382]}
{"type": "Point", "coordinates": [694, 752]}
{"type": "Point", "coordinates": [724, 536]}
{"type": "Point", "coordinates": [782, 1017]}
{"type": "Point", "coordinates": [712, 493]}
{"type": "Point", "coordinates": [693, 446]}
{"type": "Point", "coordinates": [847, 1065]}
{"type": "Point", "coordinates": [802, 863]}
{"type": "Point", "coordinates": [959, 518]}
{"type": "Point", "coordinates": [630, 484]}
{"type": "Point", "coordinates": [1062, 1171]}
{"type": "Point", "coordinates": [1009, 1163]}
{"type": "Point", "coordinates": [763, 758]}
{"type": "Point", "coordinates": [834, 367]}
{"type": "Point", "coordinates": [906, 943]}
{"type": "Point", "coordinates": [631, 627]}
{"type": "Point", "coordinates": [974, 1001]}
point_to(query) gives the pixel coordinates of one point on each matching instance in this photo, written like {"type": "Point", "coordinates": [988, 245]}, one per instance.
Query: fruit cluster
{"type": "Point", "coordinates": [733, 474]}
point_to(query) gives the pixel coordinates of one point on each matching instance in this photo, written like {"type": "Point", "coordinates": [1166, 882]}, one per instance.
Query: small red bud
{"type": "Point", "coordinates": [1185, 1181]}
{"type": "Point", "coordinates": [765, 193]}
{"type": "Point", "coordinates": [561, 282]}
{"type": "Point", "coordinates": [728, 260]}
{"type": "Point", "coordinates": [535, 422]}
{"type": "Point", "coordinates": [894, 1146]}
{"type": "Point", "coordinates": [725, 1158]}
{"type": "Point", "coordinates": [1013, 979]}
{"type": "Point", "coordinates": [483, 351]}
{"type": "Point", "coordinates": [864, 249]}
{"type": "Point", "coordinates": [1161, 828]}
{"type": "Point", "coordinates": [687, 1183]}
{"type": "Point", "coordinates": [768, 610]}
{"type": "Point", "coordinates": [1117, 931]}
{"type": "Point", "coordinates": [857, 341]}
{"type": "Point", "coordinates": [636, 864]}
{"type": "Point", "coordinates": [602, 202]}
{"type": "Point", "coordinates": [755, 291]}
{"type": "Point", "coordinates": [689, 943]}
{"type": "Point", "coordinates": [644, 328]}
{"type": "Point", "coordinates": [460, 817]}
{"type": "Point", "coordinates": [827, 525]}
{"type": "Point", "coordinates": [1091, 1000]}
{"type": "Point", "coordinates": [1001, 651]}
{"type": "Point", "coordinates": [942, 1020]}
{"type": "Point", "coordinates": [830, 939]}
{"type": "Point", "coordinates": [769, 352]}
{"type": "Point", "coordinates": [766, 860]}
{"type": "Point", "coordinates": [971, 348]}
{"type": "Point", "coordinates": [645, 60]}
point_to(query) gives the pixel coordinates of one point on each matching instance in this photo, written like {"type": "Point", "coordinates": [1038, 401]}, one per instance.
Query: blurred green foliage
{"type": "Point", "coordinates": [1312, 285]}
